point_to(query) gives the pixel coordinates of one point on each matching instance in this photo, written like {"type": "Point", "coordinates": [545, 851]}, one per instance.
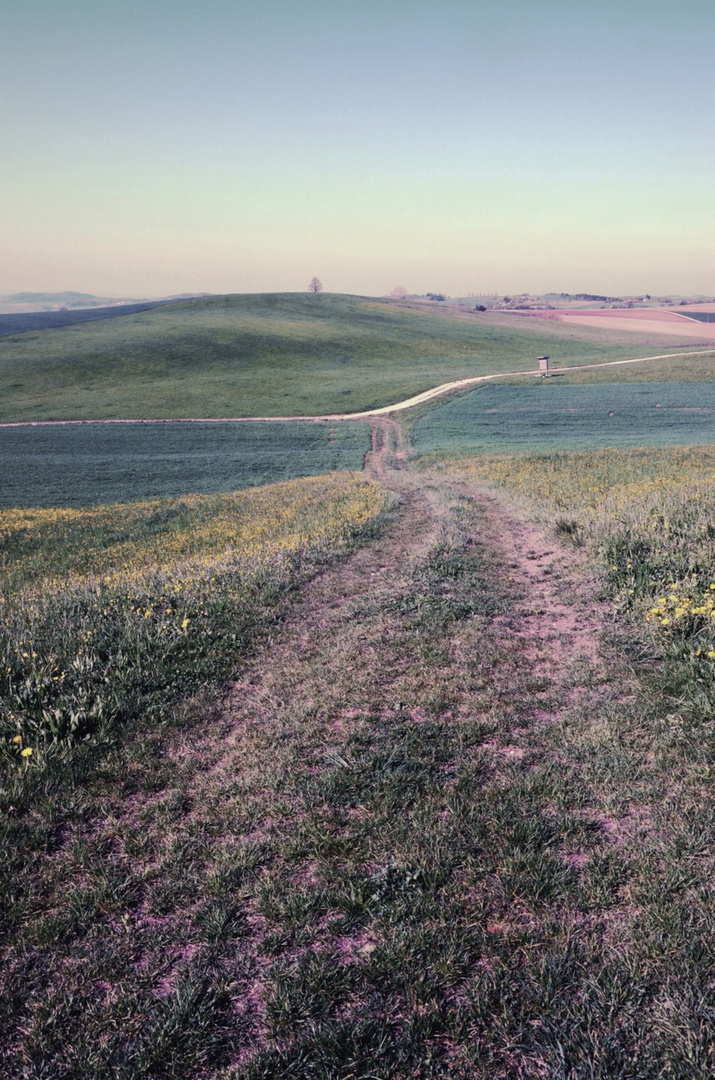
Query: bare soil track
{"type": "Point", "coordinates": [561, 614]}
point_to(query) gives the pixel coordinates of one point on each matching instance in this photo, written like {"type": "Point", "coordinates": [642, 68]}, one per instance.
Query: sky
{"type": "Point", "coordinates": [156, 147]}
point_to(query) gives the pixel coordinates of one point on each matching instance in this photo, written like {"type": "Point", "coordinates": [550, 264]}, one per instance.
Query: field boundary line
{"type": "Point", "coordinates": [418, 399]}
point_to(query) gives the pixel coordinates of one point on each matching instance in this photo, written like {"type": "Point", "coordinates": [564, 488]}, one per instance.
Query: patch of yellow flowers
{"type": "Point", "coordinates": [130, 545]}
{"type": "Point", "coordinates": [686, 608]}
{"type": "Point", "coordinates": [659, 500]}
{"type": "Point", "coordinates": [642, 488]}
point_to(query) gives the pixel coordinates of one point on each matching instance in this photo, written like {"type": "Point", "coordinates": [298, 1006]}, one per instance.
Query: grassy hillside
{"type": "Point", "coordinates": [269, 355]}
{"type": "Point", "coordinates": [107, 620]}
{"type": "Point", "coordinates": [427, 833]}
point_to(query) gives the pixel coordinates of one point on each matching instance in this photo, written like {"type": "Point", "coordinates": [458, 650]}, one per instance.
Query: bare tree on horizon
{"type": "Point", "coordinates": [316, 285]}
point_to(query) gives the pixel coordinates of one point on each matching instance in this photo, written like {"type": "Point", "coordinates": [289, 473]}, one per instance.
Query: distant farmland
{"type": "Point", "coordinates": [703, 316]}
{"type": "Point", "coordinates": [23, 322]}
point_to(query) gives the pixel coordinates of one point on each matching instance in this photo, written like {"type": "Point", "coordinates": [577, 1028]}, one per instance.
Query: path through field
{"type": "Point", "coordinates": [421, 837]}
{"type": "Point", "coordinates": [443, 390]}
{"type": "Point", "coordinates": [384, 795]}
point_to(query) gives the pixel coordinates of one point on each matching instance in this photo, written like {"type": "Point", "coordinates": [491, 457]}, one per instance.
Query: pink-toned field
{"type": "Point", "coordinates": [648, 314]}
{"type": "Point", "coordinates": [639, 320]}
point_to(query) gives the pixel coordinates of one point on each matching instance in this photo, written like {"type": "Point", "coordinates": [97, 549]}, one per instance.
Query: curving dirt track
{"type": "Point", "coordinates": [400, 406]}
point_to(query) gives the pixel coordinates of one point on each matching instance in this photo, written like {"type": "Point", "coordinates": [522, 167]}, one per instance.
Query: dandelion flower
{"type": "Point", "coordinates": [17, 739]}
{"type": "Point", "coordinates": [27, 752]}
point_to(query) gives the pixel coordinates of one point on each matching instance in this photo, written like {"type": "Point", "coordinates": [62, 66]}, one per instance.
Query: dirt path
{"type": "Point", "coordinates": [561, 613]}
{"type": "Point", "coordinates": [463, 631]}
{"type": "Point", "coordinates": [391, 852]}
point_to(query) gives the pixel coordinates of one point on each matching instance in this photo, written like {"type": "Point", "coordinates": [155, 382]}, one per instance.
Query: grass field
{"type": "Point", "coordinates": [701, 316]}
{"type": "Point", "coordinates": [108, 611]}
{"type": "Point", "coordinates": [551, 414]}
{"type": "Point", "coordinates": [674, 368]}
{"type": "Point", "coordinates": [271, 355]}
{"type": "Point", "coordinates": [444, 809]}
{"type": "Point", "coordinates": [88, 464]}
{"type": "Point", "coordinates": [419, 837]}
{"type": "Point", "coordinates": [599, 486]}
{"type": "Point", "coordinates": [647, 516]}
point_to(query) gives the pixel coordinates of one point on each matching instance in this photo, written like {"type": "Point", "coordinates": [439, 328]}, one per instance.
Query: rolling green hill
{"type": "Point", "coordinates": [271, 355]}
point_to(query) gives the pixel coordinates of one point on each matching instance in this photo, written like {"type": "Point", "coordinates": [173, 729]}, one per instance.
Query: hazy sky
{"type": "Point", "coordinates": [163, 146]}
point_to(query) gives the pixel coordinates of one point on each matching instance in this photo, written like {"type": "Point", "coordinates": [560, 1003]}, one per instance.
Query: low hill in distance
{"type": "Point", "coordinates": [25, 302]}
{"type": "Point", "coordinates": [42, 301]}
{"type": "Point", "coordinates": [278, 354]}
{"type": "Point", "coordinates": [21, 322]}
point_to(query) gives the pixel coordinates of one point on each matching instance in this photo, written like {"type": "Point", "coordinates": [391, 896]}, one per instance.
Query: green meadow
{"type": "Point", "coordinates": [552, 414]}
{"type": "Point", "coordinates": [273, 355]}
{"type": "Point", "coordinates": [87, 464]}
{"type": "Point", "coordinates": [390, 848]}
